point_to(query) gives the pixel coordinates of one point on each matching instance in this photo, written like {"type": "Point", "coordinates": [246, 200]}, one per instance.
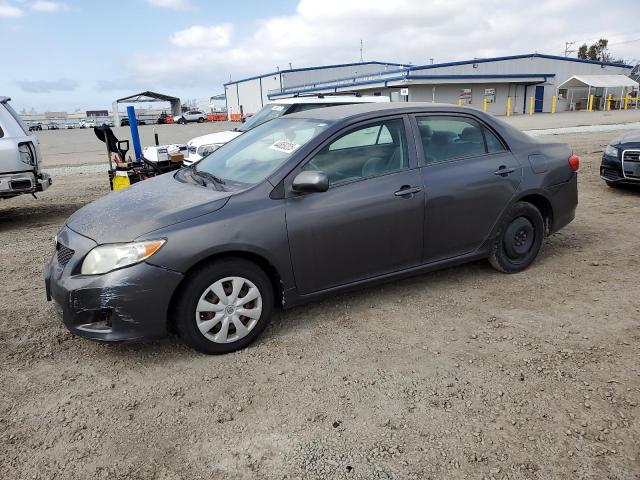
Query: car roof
{"type": "Point", "coordinates": [343, 112]}
{"type": "Point", "coordinates": [331, 99]}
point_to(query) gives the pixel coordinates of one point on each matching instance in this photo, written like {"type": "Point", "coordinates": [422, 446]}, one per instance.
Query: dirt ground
{"type": "Point", "coordinates": [462, 373]}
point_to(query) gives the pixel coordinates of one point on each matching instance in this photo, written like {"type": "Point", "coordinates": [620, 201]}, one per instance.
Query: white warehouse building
{"type": "Point", "coordinates": [518, 82]}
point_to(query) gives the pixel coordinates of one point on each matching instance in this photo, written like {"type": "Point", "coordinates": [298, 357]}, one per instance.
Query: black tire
{"type": "Point", "coordinates": [612, 184]}
{"type": "Point", "coordinates": [182, 121]}
{"type": "Point", "coordinates": [197, 285]}
{"type": "Point", "coordinates": [519, 239]}
{"type": "Point", "coordinates": [201, 120]}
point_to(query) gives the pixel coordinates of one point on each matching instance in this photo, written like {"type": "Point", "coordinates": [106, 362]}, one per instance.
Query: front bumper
{"type": "Point", "coordinates": [611, 171]}
{"type": "Point", "coordinates": [127, 304]}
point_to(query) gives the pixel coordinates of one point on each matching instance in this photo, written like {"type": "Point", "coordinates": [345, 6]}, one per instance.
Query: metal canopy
{"type": "Point", "coordinates": [144, 97]}
{"type": "Point", "coordinates": [147, 96]}
{"type": "Point", "coordinates": [598, 81]}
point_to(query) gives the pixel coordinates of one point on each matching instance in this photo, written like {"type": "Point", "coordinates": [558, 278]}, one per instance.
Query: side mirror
{"type": "Point", "coordinates": [311, 181]}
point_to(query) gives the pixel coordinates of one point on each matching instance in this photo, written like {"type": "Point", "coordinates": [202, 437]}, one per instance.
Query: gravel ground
{"type": "Point", "coordinates": [462, 373]}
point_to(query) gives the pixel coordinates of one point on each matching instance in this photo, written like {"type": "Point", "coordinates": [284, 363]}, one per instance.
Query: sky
{"type": "Point", "coordinates": [68, 55]}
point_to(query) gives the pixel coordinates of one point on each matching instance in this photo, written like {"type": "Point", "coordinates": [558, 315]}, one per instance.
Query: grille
{"type": "Point", "coordinates": [631, 164]}
{"type": "Point", "coordinates": [631, 156]}
{"type": "Point", "coordinates": [64, 254]}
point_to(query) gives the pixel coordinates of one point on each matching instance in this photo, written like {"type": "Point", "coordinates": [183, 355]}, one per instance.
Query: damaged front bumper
{"type": "Point", "coordinates": [127, 304]}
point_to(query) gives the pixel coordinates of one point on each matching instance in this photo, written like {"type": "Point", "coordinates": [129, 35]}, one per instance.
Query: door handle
{"type": "Point", "coordinates": [503, 171]}
{"type": "Point", "coordinates": [407, 190]}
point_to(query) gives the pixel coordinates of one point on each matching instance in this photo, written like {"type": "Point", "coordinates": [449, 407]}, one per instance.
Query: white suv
{"type": "Point", "coordinates": [190, 116]}
{"type": "Point", "coordinates": [19, 156]}
{"type": "Point", "coordinates": [200, 147]}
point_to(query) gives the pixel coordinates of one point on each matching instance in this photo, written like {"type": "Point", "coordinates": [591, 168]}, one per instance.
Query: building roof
{"type": "Point", "coordinates": [319, 67]}
{"type": "Point", "coordinates": [517, 57]}
{"type": "Point", "coordinates": [599, 81]}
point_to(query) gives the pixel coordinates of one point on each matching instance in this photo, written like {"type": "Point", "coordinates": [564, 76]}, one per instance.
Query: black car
{"type": "Point", "coordinates": [53, 126]}
{"type": "Point", "coordinates": [125, 122]}
{"type": "Point", "coordinates": [304, 206]}
{"type": "Point", "coordinates": [37, 126]}
{"type": "Point", "coordinates": [621, 160]}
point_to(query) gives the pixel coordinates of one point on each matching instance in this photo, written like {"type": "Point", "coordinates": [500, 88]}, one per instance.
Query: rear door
{"type": "Point", "coordinates": [370, 221]}
{"type": "Point", "coordinates": [470, 176]}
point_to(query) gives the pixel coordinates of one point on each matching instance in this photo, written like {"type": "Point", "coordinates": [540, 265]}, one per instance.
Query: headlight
{"type": "Point", "coordinates": [205, 150]}
{"type": "Point", "coordinates": [105, 258]}
{"type": "Point", "coordinates": [611, 151]}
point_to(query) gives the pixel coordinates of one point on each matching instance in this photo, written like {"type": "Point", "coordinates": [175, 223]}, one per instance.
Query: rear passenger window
{"type": "Point", "coordinates": [449, 138]}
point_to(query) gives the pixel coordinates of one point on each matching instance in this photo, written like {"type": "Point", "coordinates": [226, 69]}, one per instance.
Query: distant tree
{"type": "Point", "coordinates": [598, 51]}
{"type": "Point", "coordinates": [582, 51]}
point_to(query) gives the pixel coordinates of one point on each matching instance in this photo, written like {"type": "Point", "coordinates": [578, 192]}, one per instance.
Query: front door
{"type": "Point", "coordinates": [469, 177]}
{"type": "Point", "coordinates": [539, 99]}
{"type": "Point", "coordinates": [370, 221]}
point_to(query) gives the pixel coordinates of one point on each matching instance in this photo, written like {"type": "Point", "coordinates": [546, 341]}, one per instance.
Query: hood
{"type": "Point", "coordinates": [218, 137]}
{"type": "Point", "coordinates": [127, 214]}
{"type": "Point", "coordinates": [632, 136]}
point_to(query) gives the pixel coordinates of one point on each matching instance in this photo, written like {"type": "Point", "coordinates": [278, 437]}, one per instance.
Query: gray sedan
{"type": "Point", "coordinates": [306, 206]}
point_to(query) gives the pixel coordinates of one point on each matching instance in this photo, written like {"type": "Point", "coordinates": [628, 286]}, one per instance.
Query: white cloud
{"type": "Point", "coordinates": [197, 36]}
{"type": "Point", "coordinates": [47, 86]}
{"type": "Point", "coordinates": [9, 11]}
{"type": "Point", "coordinates": [48, 7]}
{"type": "Point", "coordinates": [400, 31]}
{"type": "Point", "coordinates": [173, 4]}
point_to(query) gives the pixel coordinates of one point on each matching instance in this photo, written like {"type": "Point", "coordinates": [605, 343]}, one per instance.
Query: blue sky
{"type": "Point", "coordinates": [74, 54]}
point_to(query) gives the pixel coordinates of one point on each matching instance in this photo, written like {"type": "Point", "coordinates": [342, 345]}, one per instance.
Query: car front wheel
{"type": "Point", "coordinates": [519, 239]}
{"type": "Point", "coordinates": [224, 306]}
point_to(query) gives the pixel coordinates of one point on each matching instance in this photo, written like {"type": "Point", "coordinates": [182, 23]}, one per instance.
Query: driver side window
{"type": "Point", "coordinates": [364, 152]}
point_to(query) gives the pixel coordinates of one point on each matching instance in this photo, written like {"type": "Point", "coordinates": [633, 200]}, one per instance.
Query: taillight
{"type": "Point", "coordinates": [27, 153]}
{"type": "Point", "coordinates": [574, 162]}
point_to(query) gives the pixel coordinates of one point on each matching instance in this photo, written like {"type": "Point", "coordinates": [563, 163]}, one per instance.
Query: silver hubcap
{"type": "Point", "coordinates": [229, 309]}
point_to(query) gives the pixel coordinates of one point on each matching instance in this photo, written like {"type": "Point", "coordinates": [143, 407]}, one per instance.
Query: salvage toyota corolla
{"type": "Point", "coordinates": [304, 206]}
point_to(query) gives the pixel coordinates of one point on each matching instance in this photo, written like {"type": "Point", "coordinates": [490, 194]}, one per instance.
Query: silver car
{"type": "Point", "coordinates": [19, 156]}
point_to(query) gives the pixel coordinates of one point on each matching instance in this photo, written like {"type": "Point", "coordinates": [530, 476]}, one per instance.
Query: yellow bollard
{"type": "Point", "coordinates": [459, 102]}
{"type": "Point", "coordinates": [590, 104]}
{"type": "Point", "coordinates": [530, 105]}
{"type": "Point", "coordinates": [626, 101]}
{"type": "Point", "coordinates": [609, 102]}
{"type": "Point", "coordinates": [508, 106]}
{"type": "Point", "coordinates": [484, 105]}
{"type": "Point", "coordinates": [553, 104]}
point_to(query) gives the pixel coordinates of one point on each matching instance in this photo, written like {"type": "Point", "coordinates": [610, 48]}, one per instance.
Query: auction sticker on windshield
{"type": "Point", "coordinates": [277, 108]}
{"type": "Point", "coordinates": [284, 146]}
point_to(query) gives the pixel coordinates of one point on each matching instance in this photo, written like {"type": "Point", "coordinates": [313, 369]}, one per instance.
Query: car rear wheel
{"type": "Point", "coordinates": [182, 121]}
{"type": "Point", "coordinates": [200, 120]}
{"type": "Point", "coordinates": [519, 239]}
{"type": "Point", "coordinates": [224, 306]}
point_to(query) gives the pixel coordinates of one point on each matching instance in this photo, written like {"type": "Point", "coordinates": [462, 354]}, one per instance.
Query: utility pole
{"type": "Point", "coordinates": [361, 60]}
{"type": "Point", "coordinates": [567, 46]}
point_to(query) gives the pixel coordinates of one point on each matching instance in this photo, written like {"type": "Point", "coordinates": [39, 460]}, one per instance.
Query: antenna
{"type": "Point", "coordinates": [431, 61]}
{"type": "Point", "coordinates": [361, 60]}
{"type": "Point", "coordinates": [290, 67]}
{"type": "Point", "coordinates": [567, 46]}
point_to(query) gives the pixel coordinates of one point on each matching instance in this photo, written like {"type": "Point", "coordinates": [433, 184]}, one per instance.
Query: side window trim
{"type": "Point", "coordinates": [420, 154]}
{"type": "Point", "coordinates": [413, 158]}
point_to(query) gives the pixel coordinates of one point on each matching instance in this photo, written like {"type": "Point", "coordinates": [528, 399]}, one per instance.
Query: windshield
{"type": "Point", "coordinates": [268, 112]}
{"type": "Point", "coordinates": [253, 156]}
{"type": "Point", "coordinates": [17, 118]}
